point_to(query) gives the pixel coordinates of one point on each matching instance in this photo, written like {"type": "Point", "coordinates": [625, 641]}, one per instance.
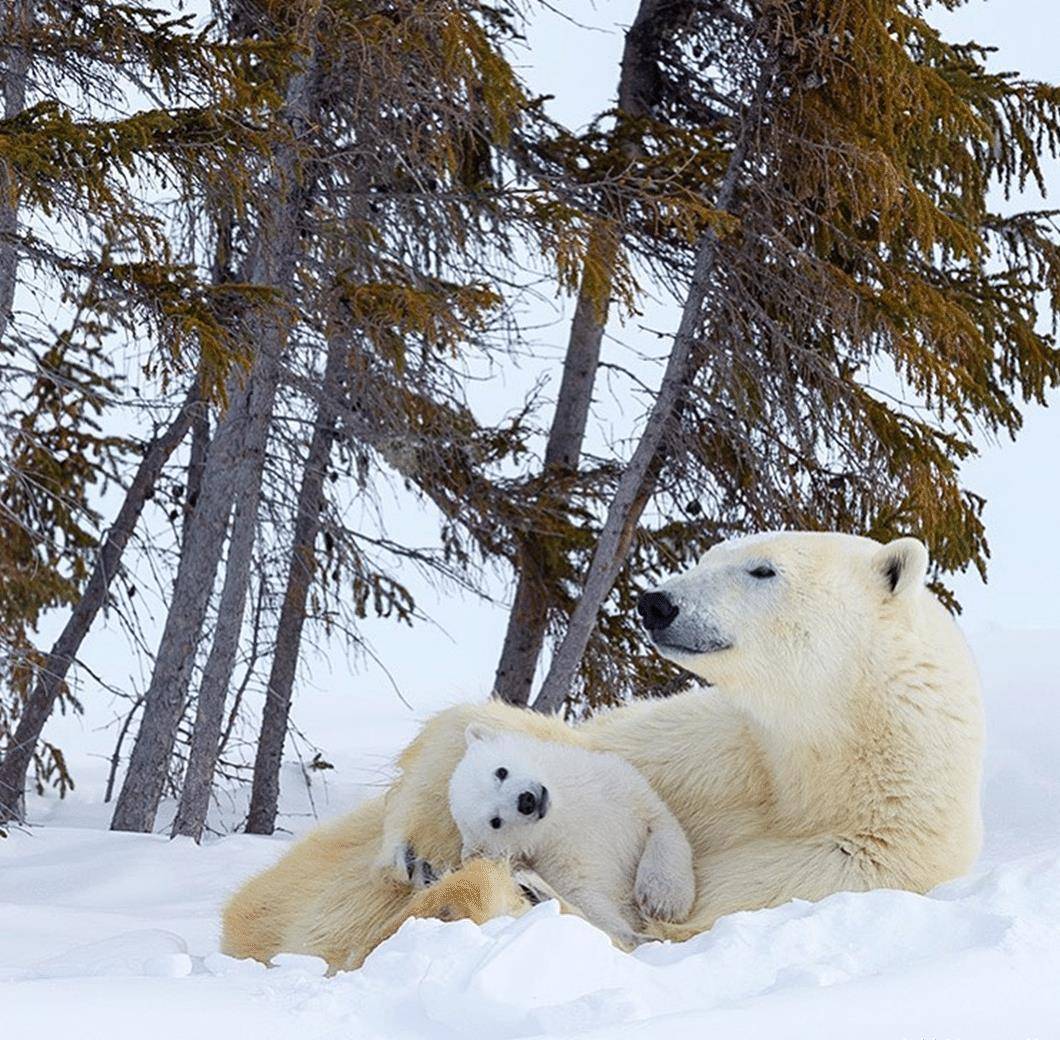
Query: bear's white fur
{"type": "Point", "coordinates": [588, 823]}
{"type": "Point", "coordinates": [837, 747]}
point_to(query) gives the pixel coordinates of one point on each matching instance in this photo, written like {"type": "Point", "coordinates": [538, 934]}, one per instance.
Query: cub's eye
{"type": "Point", "coordinates": [501, 773]}
{"type": "Point", "coordinates": [764, 571]}
{"type": "Point", "coordinates": [495, 823]}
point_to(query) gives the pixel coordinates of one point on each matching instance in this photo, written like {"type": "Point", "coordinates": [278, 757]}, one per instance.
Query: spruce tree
{"type": "Point", "coordinates": [861, 312]}
{"type": "Point", "coordinates": [372, 213]}
{"type": "Point", "coordinates": [81, 223]}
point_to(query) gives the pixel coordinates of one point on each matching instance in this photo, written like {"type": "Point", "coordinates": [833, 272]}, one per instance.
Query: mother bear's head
{"type": "Point", "coordinates": [803, 613]}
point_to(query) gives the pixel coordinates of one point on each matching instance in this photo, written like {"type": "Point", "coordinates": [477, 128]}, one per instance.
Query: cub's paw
{"type": "Point", "coordinates": [662, 896]}
{"type": "Point", "coordinates": [410, 869]}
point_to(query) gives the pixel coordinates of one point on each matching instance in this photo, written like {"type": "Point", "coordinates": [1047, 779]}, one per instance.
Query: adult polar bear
{"type": "Point", "coordinates": [837, 748]}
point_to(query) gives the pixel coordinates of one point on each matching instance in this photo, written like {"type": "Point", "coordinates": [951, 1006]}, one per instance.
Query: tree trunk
{"type": "Point", "coordinates": [271, 263]}
{"type": "Point", "coordinates": [633, 490]}
{"type": "Point", "coordinates": [529, 614]}
{"type": "Point", "coordinates": [213, 691]}
{"type": "Point", "coordinates": [200, 445]}
{"type": "Point", "coordinates": [142, 787]}
{"type": "Point", "coordinates": [265, 792]}
{"type": "Point", "coordinates": [15, 17]}
{"type": "Point", "coordinates": [39, 704]}
{"type": "Point", "coordinates": [638, 90]}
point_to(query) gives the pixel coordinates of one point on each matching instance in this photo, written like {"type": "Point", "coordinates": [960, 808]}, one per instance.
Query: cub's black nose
{"type": "Point", "coordinates": [657, 610]}
{"type": "Point", "coordinates": [527, 803]}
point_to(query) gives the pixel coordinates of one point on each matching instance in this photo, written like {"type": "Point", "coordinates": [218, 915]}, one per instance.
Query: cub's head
{"type": "Point", "coordinates": [792, 612]}
{"type": "Point", "coordinates": [497, 794]}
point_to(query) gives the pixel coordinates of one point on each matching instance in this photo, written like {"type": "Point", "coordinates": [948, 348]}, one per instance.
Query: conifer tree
{"type": "Point", "coordinates": [320, 209]}
{"type": "Point", "coordinates": [860, 250]}
{"type": "Point", "coordinates": [75, 171]}
{"type": "Point", "coordinates": [620, 158]}
{"type": "Point", "coordinates": [376, 78]}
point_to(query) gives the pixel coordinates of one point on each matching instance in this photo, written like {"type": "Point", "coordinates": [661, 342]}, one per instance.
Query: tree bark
{"type": "Point", "coordinates": [527, 621]}
{"type": "Point", "coordinates": [271, 263]}
{"type": "Point", "coordinates": [15, 16]}
{"type": "Point", "coordinates": [41, 701]}
{"type": "Point", "coordinates": [200, 445]}
{"type": "Point", "coordinates": [638, 92]}
{"type": "Point", "coordinates": [213, 691]}
{"type": "Point", "coordinates": [265, 791]}
{"type": "Point", "coordinates": [144, 780]}
{"type": "Point", "coordinates": [633, 490]}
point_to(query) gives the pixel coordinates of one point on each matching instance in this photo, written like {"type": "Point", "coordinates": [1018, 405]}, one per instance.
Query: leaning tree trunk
{"type": "Point", "coordinates": [265, 792]}
{"type": "Point", "coordinates": [213, 691]}
{"type": "Point", "coordinates": [38, 706]}
{"type": "Point", "coordinates": [142, 787]}
{"type": "Point", "coordinates": [630, 496]}
{"type": "Point", "coordinates": [15, 18]}
{"type": "Point", "coordinates": [528, 619]}
{"type": "Point", "coordinates": [272, 263]}
{"type": "Point", "coordinates": [638, 89]}
{"type": "Point", "coordinates": [200, 445]}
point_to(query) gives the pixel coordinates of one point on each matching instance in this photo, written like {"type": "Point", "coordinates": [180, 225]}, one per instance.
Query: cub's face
{"type": "Point", "coordinates": [497, 795]}
{"type": "Point", "coordinates": [795, 610]}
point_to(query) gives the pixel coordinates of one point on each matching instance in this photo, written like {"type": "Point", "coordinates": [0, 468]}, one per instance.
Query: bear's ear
{"type": "Point", "coordinates": [902, 564]}
{"type": "Point", "coordinates": [478, 731]}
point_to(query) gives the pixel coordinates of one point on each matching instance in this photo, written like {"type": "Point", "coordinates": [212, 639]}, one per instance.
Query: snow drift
{"type": "Point", "coordinates": [111, 935]}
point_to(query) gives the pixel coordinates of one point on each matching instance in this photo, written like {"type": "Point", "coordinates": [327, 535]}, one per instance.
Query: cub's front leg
{"type": "Point", "coordinates": [599, 910]}
{"type": "Point", "coordinates": [665, 886]}
{"type": "Point", "coordinates": [404, 859]}
{"type": "Point", "coordinates": [417, 825]}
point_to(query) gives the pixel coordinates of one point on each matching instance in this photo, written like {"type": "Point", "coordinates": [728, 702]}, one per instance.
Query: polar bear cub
{"type": "Point", "coordinates": [586, 822]}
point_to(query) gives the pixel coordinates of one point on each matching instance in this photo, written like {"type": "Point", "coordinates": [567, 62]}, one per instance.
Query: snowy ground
{"type": "Point", "coordinates": [114, 935]}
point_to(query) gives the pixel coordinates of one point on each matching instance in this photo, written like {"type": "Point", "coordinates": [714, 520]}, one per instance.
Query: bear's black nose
{"type": "Point", "coordinates": [657, 610]}
{"type": "Point", "coordinates": [527, 803]}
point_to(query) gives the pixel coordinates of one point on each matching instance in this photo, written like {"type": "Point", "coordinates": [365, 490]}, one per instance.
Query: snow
{"type": "Point", "coordinates": [111, 935]}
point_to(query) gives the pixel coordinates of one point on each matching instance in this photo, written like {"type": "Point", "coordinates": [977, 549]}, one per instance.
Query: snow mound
{"type": "Point", "coordinates": [146, 952]}
{"type": "Point", "coordinates": [976, 958]}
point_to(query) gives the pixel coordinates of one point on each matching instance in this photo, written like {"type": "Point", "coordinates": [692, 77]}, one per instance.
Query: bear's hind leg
{"type": "Point", "coordinates": [766, 872]}
{"type": "Point", "coordinates": [480, 890]}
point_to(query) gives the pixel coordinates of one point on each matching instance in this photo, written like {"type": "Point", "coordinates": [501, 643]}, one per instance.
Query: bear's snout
{"type": "Point", "coordinates": [657, 610]}
{"type": "Point", "coordinates": [531, 802]}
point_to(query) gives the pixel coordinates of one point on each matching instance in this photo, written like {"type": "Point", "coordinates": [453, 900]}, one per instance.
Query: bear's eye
{"type": "Point", "coordinates": [495, 823]}
{"type": "Point", "coordinates": [501, 773]}
{"type": "Point", "coordinates": [763, 571]}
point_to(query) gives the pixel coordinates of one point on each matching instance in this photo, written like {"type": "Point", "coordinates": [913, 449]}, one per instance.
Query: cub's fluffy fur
{"type": "Point", "coordinates": [587, 822]}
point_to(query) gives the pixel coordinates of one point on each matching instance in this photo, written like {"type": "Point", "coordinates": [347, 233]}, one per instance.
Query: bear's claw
{"type": "Point", "coordinates": [419, 872]}
{"type": "Point", "coordinates": [661, 902]}
{"type": "Point", "coordinates": [662, 898]}
{"type": "Point", "coordinates": [533, 887]}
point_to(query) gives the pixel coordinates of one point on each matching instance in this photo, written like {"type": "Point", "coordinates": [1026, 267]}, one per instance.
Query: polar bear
{"type": "Point", "coordinates": [586, 822]}
{"type": "Point", "coordinates": [836, 746]}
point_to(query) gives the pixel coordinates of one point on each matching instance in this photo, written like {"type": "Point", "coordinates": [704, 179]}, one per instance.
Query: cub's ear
{"type": "Point", "coordinates": [902, 564]}
{"type": "Point", "coordinates": [478, 731]}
